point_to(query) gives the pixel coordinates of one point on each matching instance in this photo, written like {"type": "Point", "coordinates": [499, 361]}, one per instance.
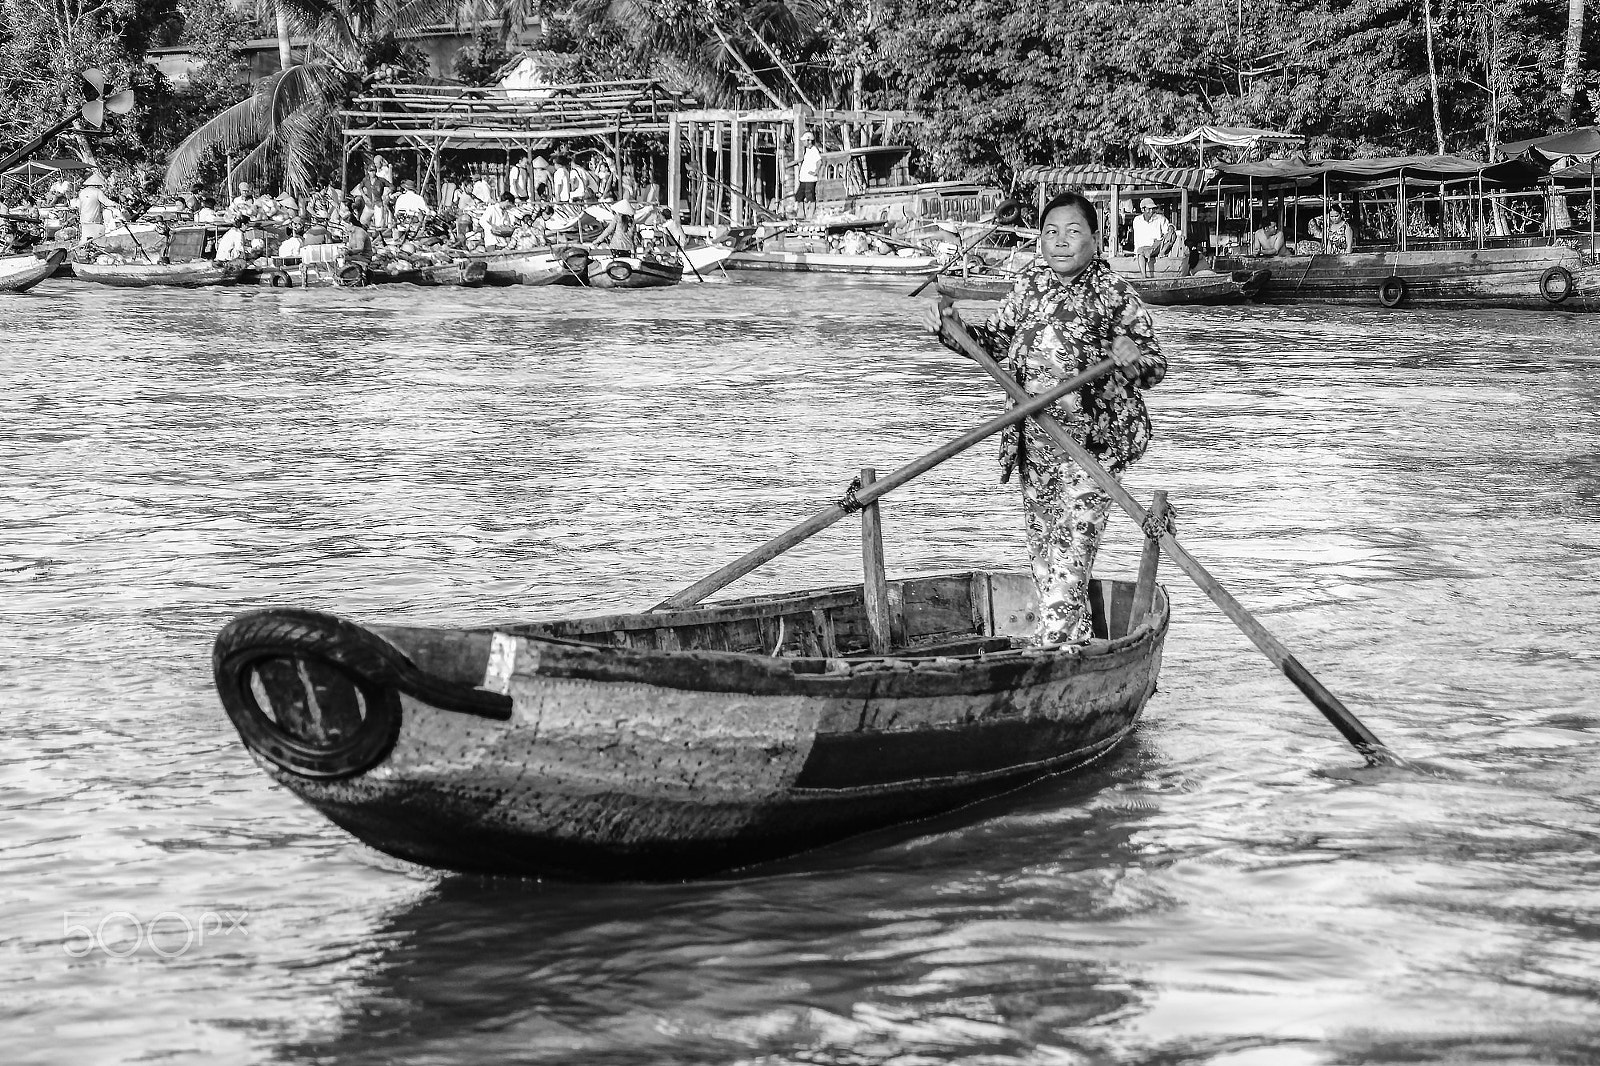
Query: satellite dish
{"type": "Point", "coordinates": [120, 103]}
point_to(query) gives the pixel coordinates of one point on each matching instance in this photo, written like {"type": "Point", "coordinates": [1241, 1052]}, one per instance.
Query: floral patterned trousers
{"type": "Point", "coordinates": [1066, 514]}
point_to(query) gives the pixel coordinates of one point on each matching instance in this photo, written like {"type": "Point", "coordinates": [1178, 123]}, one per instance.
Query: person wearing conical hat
{"type": "Point", "coordinates": [619, 232]}
{"type": "Point", "coordinates": [92, 204]}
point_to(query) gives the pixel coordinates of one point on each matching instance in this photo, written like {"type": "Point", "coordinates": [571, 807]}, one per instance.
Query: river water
{"type": "Point", "coordinates": [1408, 499]}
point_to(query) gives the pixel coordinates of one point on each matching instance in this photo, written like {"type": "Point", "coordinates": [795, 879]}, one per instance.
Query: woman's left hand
{"type": "Point", "coordinates": [1126, 354]}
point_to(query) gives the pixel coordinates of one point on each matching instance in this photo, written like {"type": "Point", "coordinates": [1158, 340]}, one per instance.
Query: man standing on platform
{"type": "Point", "coordinates": [1150, 232]}
{"type": "Point", "coordinates": [810, 165]}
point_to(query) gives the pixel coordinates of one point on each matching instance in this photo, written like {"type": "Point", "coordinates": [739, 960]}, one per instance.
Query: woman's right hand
{"type": "Point", "coordinates": [935, 315]}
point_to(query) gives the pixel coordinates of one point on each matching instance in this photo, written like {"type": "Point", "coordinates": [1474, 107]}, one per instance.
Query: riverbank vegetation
{"type": "Point", "coordinates": [1002, 83]}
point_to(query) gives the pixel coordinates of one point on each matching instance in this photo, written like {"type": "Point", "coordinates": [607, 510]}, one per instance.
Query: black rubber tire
{"type": "Point", "coordinates": [1008, 213]}
{"type": "Point", "coordinates": [1555, 284]}
{"type": "Point", "coordinates": [1392, 290]}
{"type": "Point", "coordinates": [352, 276]}
{"type": "Point", "coordinates": [282, 280]}
{"type": "Point", "coordinates": [617, 270]}
{"type": "Point", "coordinates": [333, 650]}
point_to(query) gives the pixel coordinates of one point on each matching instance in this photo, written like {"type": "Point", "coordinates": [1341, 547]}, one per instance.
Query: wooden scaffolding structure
{"type": "Point", "coordinates": [723, 166]}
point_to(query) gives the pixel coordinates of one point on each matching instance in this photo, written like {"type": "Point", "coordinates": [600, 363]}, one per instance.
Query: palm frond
{"type": "Point", "coordinates": [235, 128]}
{"type": "Point", "coordinates": [302, 141]}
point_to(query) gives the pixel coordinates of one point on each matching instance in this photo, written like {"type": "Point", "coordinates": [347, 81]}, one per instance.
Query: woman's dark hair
{"type": "Point", "coordinates": [1073, 199]}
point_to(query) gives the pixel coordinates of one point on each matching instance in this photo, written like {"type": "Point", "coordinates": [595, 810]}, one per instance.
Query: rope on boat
{"type": "Point", "coordinates": [1160, 521]}
{"type": "Point", "coordinates": [849, 501]}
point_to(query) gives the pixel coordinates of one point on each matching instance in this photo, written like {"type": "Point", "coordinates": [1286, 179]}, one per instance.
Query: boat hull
{"type": "Point", "coordinates": [1515, 278]}
{"type": "Point", "coordinates": [19, 273]}
{"type": "Point", "coordinates": [552, 267]}
{"type": "Point", "coordinates": [631, 272]}
{"type": "Point", "coordinates": [833, 263]}
{"type": "Point", "coordinates": [1196, 289]}
{"type": "Point", "coordinates": [605, 749]}
{"type": "Point", "coordinates": [197, 274]}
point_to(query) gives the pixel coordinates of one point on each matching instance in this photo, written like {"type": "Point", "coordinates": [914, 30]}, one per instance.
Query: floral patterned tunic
{"type": "Point", "coordinates": [1047, 330]}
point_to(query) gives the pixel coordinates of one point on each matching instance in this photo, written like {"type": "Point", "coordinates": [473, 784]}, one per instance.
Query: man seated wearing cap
{"type": "Point", "coordinates": [411, 210]}
{"type": "Point", "coordinates": [810, 164]}
{"type": "Point", "coordinates": [244, 203]}
{"type": "Point", "coordinates": [1150, 235]}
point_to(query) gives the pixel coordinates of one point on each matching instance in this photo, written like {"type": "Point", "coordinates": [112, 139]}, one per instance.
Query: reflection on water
{"type": "Point", "coordinates": [1408, 500]}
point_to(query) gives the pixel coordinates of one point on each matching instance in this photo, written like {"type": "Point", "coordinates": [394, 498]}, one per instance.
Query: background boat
{"type": "Point", "coordinates": [195, 274]}
{"type": "Point", "coordinates": [543, 266]}
{"type": "Point", "coordinates": [19, 273]}
{"type": "Point", "coordinates": [676, 744]}
{"type": "Point", "coordinates": [632, 272]}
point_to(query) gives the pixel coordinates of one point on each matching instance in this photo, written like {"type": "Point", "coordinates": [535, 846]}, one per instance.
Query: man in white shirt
{"type": "Point", "coordinates": [561, 180]}
{"type": "Point", "coordinates": [410, 206]}
{"type": "Point", "coordinates": [230, 246]}
{"type": "Point", "coordinates": [1150, 233]}
{"type": "Point", "coordinates": [499, 222]}
{"type": "Point", "coordinates": [810, 165]}
{"type": "Point", "coordinates": [292, 245]}
{"type": "Point", "coordinates": [94, 208]}
{"type": "Point", "coordinates": [244, 203]}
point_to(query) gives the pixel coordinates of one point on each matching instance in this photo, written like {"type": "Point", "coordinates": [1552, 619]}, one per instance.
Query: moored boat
{"type": "Point", "coordinates": [19, 273]}
{"type": "Point", "coordinates": [834, 263]}
{"type": "Point", "coordinates": [194, 274]}
{"type": "Point", "coordinates": [467, 272]}
{"type": "Point", "coordinates": [540, 266]}
{"type": "Point", "coordinates": [683, 743]}
{"type": "Point", "coordinates": [1202, 288]}
{"type": "Point", "coordinates": [705, 259]}
{"type": "Point", "coordinates": [632, 272]}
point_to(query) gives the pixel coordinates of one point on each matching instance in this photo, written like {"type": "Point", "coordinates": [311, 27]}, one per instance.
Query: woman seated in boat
{"type": "Point", "coordinates": [499, 221]}
{"type": "Point", "coordinates": [1333, 231]}
{"type": "Point", "coordinates": [1065, 313]}
{"type": "Point", "coordinates": [1268, 240]}
{"type": "Point", "coordinates": [619, 234]}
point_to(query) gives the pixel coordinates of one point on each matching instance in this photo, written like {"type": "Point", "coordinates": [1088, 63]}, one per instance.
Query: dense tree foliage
{"type": "Point", "coordinates": [1003, 83]}
{"type": "Point", "coordinates": [1006, 84]}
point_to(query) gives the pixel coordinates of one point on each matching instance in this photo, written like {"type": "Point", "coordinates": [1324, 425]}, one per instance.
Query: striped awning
{"type": "Point", "coordinates": [1097, 174]}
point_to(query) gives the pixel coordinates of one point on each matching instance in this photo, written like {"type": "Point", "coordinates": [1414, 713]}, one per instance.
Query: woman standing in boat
{"type": "Point", "coordinates": [1064, 314]}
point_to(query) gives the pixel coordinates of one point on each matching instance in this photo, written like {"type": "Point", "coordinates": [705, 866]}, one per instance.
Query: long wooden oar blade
{"type": "Point", "coordinates": [775, 547]}
{"type": "Point", "coordinates": [1343, 719]}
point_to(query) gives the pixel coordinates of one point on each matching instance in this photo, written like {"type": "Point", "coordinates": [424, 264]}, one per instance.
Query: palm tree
{"type": "Point", "coordinates": [1572, 54]}
{"type": "Point", "coordinates": [291, 122]}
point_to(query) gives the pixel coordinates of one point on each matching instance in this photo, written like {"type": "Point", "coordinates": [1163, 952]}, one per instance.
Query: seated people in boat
{"type": "Point", "coordinates": [498, 222]}
{"type": "Point", "coordinates": [357, 241]}
{"type": "Point", "coordinates": [1065, 313]}
{"type": "Point", "coordinates": [619, 234]}
{"type": "Point", "coordinates": [1268, 240]}
{"type": "Point", "coordinates": [285, 208]}
{"type": "Point", "coordinates": [677, 239]}
{"type": "Point", "coordinates": [1332, 230]}
{"type": "Point", "coordinates": [231, 245]}
{"type": "Point", "coordinates": [293, 243]}
{"type": "Point", "coordinates": [1152, 237]}
{"type": "Point", "coordinates": [411, 209]}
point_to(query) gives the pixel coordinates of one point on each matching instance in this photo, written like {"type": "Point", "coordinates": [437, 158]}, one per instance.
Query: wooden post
{"type": "Point", "coordinates": [1144, 592]}
{"type": "Point", "coordinates": [875, 585]}
{"type": "Point", "coordinates": [674, 164]}
{"type": "Point", "coordinates": [736, 174]}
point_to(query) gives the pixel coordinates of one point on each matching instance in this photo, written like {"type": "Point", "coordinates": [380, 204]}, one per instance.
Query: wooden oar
{"type": "Point", "coordinates": [685, 253]}
{"type": "Point", "coordinates": [961, 250]}
{"type": "Point", "coordinates": [859, 498]}
{"type": "Point", "coordinates": [1351, 727]}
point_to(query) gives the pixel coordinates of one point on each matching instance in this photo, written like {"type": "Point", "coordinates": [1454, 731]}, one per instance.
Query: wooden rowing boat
{"type": "Point", "coordinates": [190, 275]}
{"type": "Point", "coordinates": [543, 266]}
{"type": "Point", "coordinates": [1236, 287]}
{"type": "Point", "coordinates": [1449, 274]}
{"type": "Point", "coordinates": [19, 273]}
{"type": "Point", "coordinates": [632, 272]}
{"type": "Point", "coordinates": [1204, 288]}
{"type": "Point", "coordinates": [833, 263]}
{"type": "Point", "coordinates": [683, 743]}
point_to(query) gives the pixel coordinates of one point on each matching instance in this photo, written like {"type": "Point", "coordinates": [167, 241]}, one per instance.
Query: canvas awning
{"type": "Point", "coordinates": [1348, 172]}
{"type": "Point", "coordinates": [1225, 137]}
{"type": "Point", "coordinates": [1581, 144]}
{"type": "Point", "coordinates": [1096, 174]}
